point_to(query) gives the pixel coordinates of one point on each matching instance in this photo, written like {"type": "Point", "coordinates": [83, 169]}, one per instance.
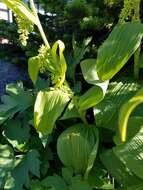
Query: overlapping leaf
{"type": "Point", "coordinates": [119, 170]}
{"type": "Point", "coordinates": [107, 112]}
{"type": "Point", "coordinates": [131, 154]}
{"type": "Point", "coordinates": [95, 94]}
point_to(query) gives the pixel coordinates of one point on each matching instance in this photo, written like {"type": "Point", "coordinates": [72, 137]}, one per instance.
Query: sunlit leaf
{"type": "Point", "coordinates": [19, 8]}
{"type": "Point", "coordinates": [48, 107]}
{"type": "Point", "coordinates": [91, 97]}
{"type": "Point", "coordinates": [106, 112]}
{"type": "Point", "coordinates": [126, 111]}
{"type": "Point", "coordinates": [33, 68]}
{"type": "Point", "coordinates": [121, 44]}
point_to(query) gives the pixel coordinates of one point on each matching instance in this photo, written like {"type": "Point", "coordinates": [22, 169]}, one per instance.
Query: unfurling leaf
{"type": "Point", "coordinates": [92, 97]}
{"type": "Point", "coordinates": [48, 107]}
{"type": "Point", "coordinates": [59, 61]}
{"type": "Point", "coordinates": [49, 60]}
{"type": "Point", "coordinates": [95, 94]}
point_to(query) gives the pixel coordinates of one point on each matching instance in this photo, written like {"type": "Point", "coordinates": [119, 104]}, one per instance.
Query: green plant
{"type": "Point", "coordinates": [90, 164]}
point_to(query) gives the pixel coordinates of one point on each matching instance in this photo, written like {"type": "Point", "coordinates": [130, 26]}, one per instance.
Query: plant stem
{"type": "Point", "coordinates": [81, 113]}
{"type": "Point", "coordinates": [39, 24]}
{"type": "Point", "coordinates": [137, 63]}
{"type": "Point", "coordinates": [82, 116]}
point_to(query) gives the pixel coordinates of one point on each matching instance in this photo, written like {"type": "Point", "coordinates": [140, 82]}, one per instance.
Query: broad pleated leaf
{"type": "Point", "coordinates": [126, 111]}
{"type": "Point", "coordinates": [48, 107]}
{"type": "Point", "coordinates": [77, 148]}
{"type": "Point", "coordinates": [92, 156]}
{"type": "Point", "coordinates": [107, 112]}
{"type": "Point", "coordinates": [118, 170]}
{"type": "Point", "coordinates": [131, 154]}
{"type": "Point", "coordinates": [121, 44]}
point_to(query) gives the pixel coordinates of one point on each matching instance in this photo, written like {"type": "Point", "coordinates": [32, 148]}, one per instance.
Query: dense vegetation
{"type": "Point", "coordinates": [79, 126]}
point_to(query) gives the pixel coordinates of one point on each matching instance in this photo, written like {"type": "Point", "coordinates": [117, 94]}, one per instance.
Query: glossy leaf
{"type": "Point", "coordinates": [89, 71]}
{"type": "Point", "coordinates": [48, 107]}
{"type": "Point", "coordinates": [96, 93]}
{"type": "Point", "coordinates": [92, 97]}
{"type": "Point", "coordinates": [121, 44]}
{"type": "Point", "coordinates": [126, 111]}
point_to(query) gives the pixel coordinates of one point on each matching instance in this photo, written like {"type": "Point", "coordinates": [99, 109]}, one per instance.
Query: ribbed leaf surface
{"type": "Point", "coordinates": [77, 147]}
{"type": "Point", "coordinates": [131, 154]}
{"type": "Point", "coordinates": [121, 44]}
{"type": "Point", "coordinates": [106, 112]}
{"type": "Point", "coordinates": [118, 170]}
{"type": "Point", "coordinates": [48, 107]}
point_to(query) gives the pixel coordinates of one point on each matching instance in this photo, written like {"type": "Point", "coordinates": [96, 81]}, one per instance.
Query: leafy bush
{"type": "Point", "coordinates": [85, 133]}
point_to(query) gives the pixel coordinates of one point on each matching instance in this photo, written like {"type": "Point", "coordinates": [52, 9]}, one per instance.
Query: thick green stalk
{"type": "Point", "coordinates": [137, 63]}
{"type": "Point", "coordinates": [39, 24]}
{"type": "Point", "coordinates": [81, 113]}
{"type": "Point", "coordinates": [136, 18]}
